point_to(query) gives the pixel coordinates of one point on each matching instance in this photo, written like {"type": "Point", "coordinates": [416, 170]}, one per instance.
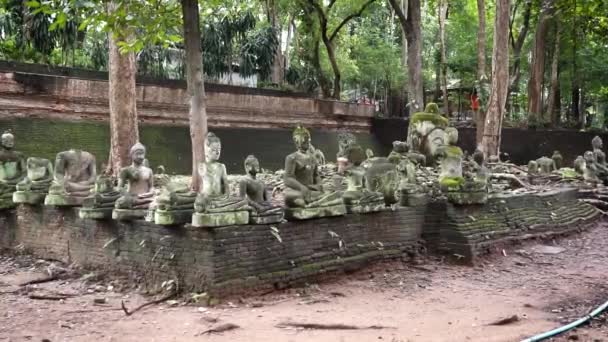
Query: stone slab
{"type": "Point", "coordinates": [172, 217]}
{"type": "Point", "coordinates": [28, 197]}
{"type": "Point", "coordinates": [229, 218]}
{"type": "Point", "coordinates": [365, 208]}
{"type": "Point", "coordinates": [465, 198]}
{"type": "Point", "coordinates": [95, 213]}
{"type": "Point", "coordinates": [265, 219]}
{"type": "Point", "coordinates": [296, 214]}
{"type": "Point", "coordinates": [63, 201]}
{"type": "Point", "coordinates": [129, 214]}
{"type": "Point", "coordinates": [413, 199]}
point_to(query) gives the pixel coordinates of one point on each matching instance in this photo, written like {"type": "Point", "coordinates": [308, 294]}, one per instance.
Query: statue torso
{"type": "Point", "coordinates": [305, 167]}
{"type": "Point", "coordinates": [77, 165]}
{"type": "Point", "coordinates": [212, 174]}
{"type": "Point", "coordinates": [139, 179]}
{"type": "Point", "coordinates": [10, 165]}
{"type": "Point", "coordinates": [255, 189]}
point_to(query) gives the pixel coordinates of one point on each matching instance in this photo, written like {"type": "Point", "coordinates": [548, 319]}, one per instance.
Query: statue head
{"type": "Point", "coordinates": [138, 153]}
{"type": "Point", "coordinates": [478, 157]}
{"type": "Point", "coordinates": [301, 138]}
{"type": "Point", "coordinates": [597, 143]}
{"type": "Point", "coordinates": [355, 154]}
{"type": "Point", "coordinates": [451, 135]}
{"type": "Point", "coordinates": [8, 140]}
{"type": "Point", "coordinates": [252, 165]}
{"type": "Point", "coordinates": [432, 108]}
{"type": "Point", "coordinates": [346, 139]}
{"type": "Point", "coordinates": [213, 147]}
{"type": "Point", "coordinates": [400, 146]}
{"type": "Point", "coordinates": [589, 157]}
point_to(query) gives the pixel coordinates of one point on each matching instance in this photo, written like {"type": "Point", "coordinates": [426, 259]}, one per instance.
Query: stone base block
{"type": "Point", "coordinates": [129, 214]}
{"type": "Point", "coordinates": [95, 213]}
{"type": "Point", "coordinates": [63, 201]}
{"type": "Point", "coordinates": [294, 214]}
{"type": "Point", "coordinates": [28, 197]}
{"type": "Point", "coordinates": [229, 218]}
{"type": "Point", "coordinates": [265, 219]}
{"type": "Point", "coordinates": [172, 217]}
{"type": "Point", "coordinates": [413, 199]}
{"type": "Point", "coordinates": [6, 203]}
{"type": "Point", "coordinates": [365, 208]}
{"type": "Point", "coordinates": [465, 198]}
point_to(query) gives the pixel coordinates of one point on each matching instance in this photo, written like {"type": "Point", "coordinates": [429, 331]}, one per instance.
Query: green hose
{"type": "Point", "coordinates": [565, 328]}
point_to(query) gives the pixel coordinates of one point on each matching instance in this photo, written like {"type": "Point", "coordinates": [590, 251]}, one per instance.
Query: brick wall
{"type": "Point", "coordinates": [234, 259]}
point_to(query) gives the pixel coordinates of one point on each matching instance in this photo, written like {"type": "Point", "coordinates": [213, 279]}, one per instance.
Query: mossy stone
{"type": "Point", "coordinates": [436, 119]}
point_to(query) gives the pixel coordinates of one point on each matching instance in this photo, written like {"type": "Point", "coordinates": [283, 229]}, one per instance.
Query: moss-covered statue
{"type": "Point", "coordinates": [590, 168]}
{"type": "Point", "coordinates": [304, 194]}
{"type": "Point", "coordinates": [599, 159]}
{"type": "Point", "coordinates": [12, 170]}
{"type": "Point", "coordinates": [214, 206]}
{"type": "Point", "coordinates": [345, 140]}
{"type": "Point", "coordinates": [459, 187]}
{"type": "Point", "coordinates": [401, 150]}
{"type": "Point", "coordinates": [357, 198]}
{"type": "Point", "coordinates": [34, 187]}
{"type": "Point", "coordinates": [136, 182]}
{"type": "Point", "coordinates": [75, 174]}
{"type": "Point", "coordinates": [426, 132]}
{"type": "Point", "coordinates": [558, 159]}
{"type": "Point", "coordinates": [258, 195]}
{"type": "Point", "coordinates": [100, 203]}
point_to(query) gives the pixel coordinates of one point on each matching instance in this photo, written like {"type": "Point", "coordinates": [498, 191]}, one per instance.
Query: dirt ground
{"type": "Point", "coordinates": [545, 284]}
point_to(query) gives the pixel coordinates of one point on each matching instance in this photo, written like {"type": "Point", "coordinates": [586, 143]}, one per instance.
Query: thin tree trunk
{"type": "Point", "coordinates": [552, 102]}
{"type": "Point", "coordinates": [537, 66]}
{"type": "Point", "coordinates": [481, 39]}
{"type": "Point", "coordinates": [575, 113]}
{"type": "Point", "coordinates": [196, 87]}
{"type": "Point", "coordinates": [443, 12]}
{"type": "Point", "coordinates": [124, 132]}
{"type": "Point", "coordinates": [517, 46]}
{"type": "Point", "coordinates": [276, 75]}
{"type": "Point", "coordinates": [490, 143]}
{"type": "Point", "coordinates": [290, 36]}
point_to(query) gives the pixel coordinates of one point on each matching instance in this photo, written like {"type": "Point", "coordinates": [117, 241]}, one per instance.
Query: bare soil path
{"type": "Point", "coordinates": [544, 284]}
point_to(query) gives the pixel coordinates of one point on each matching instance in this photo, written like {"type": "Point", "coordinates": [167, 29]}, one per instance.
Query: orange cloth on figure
{"type": "Point", "coordinates": [474, 102]}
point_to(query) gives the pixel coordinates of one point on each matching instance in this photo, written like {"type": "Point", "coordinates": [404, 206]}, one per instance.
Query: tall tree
{"type": "Point", "coordinates": [554, 101]}
{"type": "Point", "coordinates": [124, 131]}
{"type": "Point", "coordinates": [537, 67]}
{"type": "Point", "coordinates": [443, 13]}
{"type": "Point", "coordinates": [490, 143]}
{"type": "Point", "coordinates": [410, 21]}
{"type": "Point", "coordinates": [196, 86]}
{"type": "Point", "coordinates": [278, 67]}
{"type": "Point", "coordinates": [481, 39]}
{"type": "Point", "coordinates": [518, 38]}
{"type": "Point", "coordinates": [328, 37]}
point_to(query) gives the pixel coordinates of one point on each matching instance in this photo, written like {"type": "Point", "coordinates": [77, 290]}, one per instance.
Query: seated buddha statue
{"type": "Point", "coordinates": [137, 183]}
{"type": "Point", "coordinates": [258, 195]}
{"type": "Point", "coordinates": [12, 169]}
{"type": "Point", "coordinates": [34, 187]}
{"type": "Point", "coordinates": [304, 195]}
{"type": "Point", "coordinates": [357, 198]}
{"type": "Point", "coordinates": [74, 179]}
{"type": "Point", "coordinates": [214, 206]}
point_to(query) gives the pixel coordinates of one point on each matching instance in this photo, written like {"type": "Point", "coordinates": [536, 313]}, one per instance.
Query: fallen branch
{"type": "Point", "coordinates": [511, 178]}
{"type": "Point", "coordinates": [506, 321]}
{"type": "Point", "coordinates": [154, 302]}
{"type": "Point", "coordinates": [221, 328]}
{"type": "Point", "coordinates": [40, 280]}
{"type": "Point", "coordinates": [329, 326]}
{"type": "Point", "coordinates": [47, 296]}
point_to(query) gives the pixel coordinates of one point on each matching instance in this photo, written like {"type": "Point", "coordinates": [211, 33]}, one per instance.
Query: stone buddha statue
{"type": "Point", "coordinates": [75, 175]}
{"type": "Point", "coordinates": [136, 181]}
{"type": "Point", "coordinates": [357, 198]}
{"type": "Point", "coordinates": [214, 206]}
{"type": "Point", "coordinates": [258, 195]}
{"type": "Point", "coordinates": [12, 169]}
{"type": "Point", "coordinates": [34, 187]}
{"type": "Point", "coordinates": [304, 195]}
{"type": "Point", "coordinates": [599, 159]}
{"type": "Point", "coordinates": [345, 140]}
{"type": "Point", "coordinates": [590, 168]}
{"type": "Point", "coordinates": [558, 159]}
{"type": "Point", "coordinates": [100, 203]}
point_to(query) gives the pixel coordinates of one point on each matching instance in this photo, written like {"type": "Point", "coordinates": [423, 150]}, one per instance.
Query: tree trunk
{"type": "Point", "coordinates": [276, 75]}
{"type": "Point", "coordinates": [290, 36]}
{"type": "Point", "coordinates": [443, 12]}
{"type": "Point", "coordinates": [490, 143]}
{"type": "Point", "coordinates": [334, 66]}
{"type": "Point", "coordinates": [316, 63]}
{"type": "Point", "coordinates": [552, 102]}
{"type": "Point", "coordinates": [537, 66]}
{"type": "Point", "coordinates": [413, 35]}
{"type": "Point", "coordinates": [517, 45]}
{"type": "Point", "coordinates": [575, 112]}
{"type": "Point", "coordinates": [196, 87]}
{"type": "Point", "coordinates": [481, 39]}
{"type": "Point", "coordinates": [124, 131]}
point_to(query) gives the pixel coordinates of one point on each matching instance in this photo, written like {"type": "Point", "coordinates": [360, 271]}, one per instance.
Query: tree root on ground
{"type": "Point", "coordinates": [220, 329]}
{"type": "Point", "coordinates": [329, 326]}
{"type": "Point", "coordinates": [154, 302]}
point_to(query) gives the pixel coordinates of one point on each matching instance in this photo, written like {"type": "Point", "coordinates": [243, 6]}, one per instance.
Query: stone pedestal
{"type": "Point", "coordinates": [172, 217]}
{"type": "Point", "coordinates": [467, 197]}
{"type": "Point", "coordinates": [254, 218]}
{"type": "Point", "coordinates": [95, 213]}
{"type": "Point", "coordinates": [294, 214]}
{"type": "Point", "coordinates": [129, 214]}
{"type": "Point", "coordinates": [365, 208]}
{"type": "Point", "coordinates": [221, 219]}
{"type": "Point", "coordinates": [28, 197]}
{"type": "Point", "coordinates": [63, 200]}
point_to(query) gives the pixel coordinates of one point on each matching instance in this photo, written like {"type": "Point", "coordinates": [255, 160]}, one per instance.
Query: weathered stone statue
{"type": "Point", "coordinates": [579, 164]}
{"type": "Point", "coordinates": [590, 171]}
{"type": "Point", "coordinates": [214, 207]}
{"type": "Point", "coordinates": [410, 192]}
{"type": "Point", "coordinates": [12, 170]}
{"type": "Point", "coordinates": [75, 174]}
{"type": "Point", "coordinates": [34, 187]}
{"type": "Point", "coordinates": [345, 140]}
{"type": "Point", "coordinates": [137, 184]}
{"type": "Point", "coordinates": [458, 188]}
{"type": "Point", "coordinates": [317, 154]}
{"type": "Point", "coordinates": [357, 198]}
{"type": "Point", "coordinates": [174, 205]}
{"type": "Point", "coordinates": [100, 203]}
{"type": "Point", "coordinates": [546, 165]}
{"type": "Point", "coordinates": [258, 195]}
{"type": "Point", "coordinates": [426, 132]}
{"type": "Point", "coordinates": [304, 195]}
{"type": "Point", "coordinates": [558, 159]}
{"type": "Point", "coordinates": [601, 168]}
